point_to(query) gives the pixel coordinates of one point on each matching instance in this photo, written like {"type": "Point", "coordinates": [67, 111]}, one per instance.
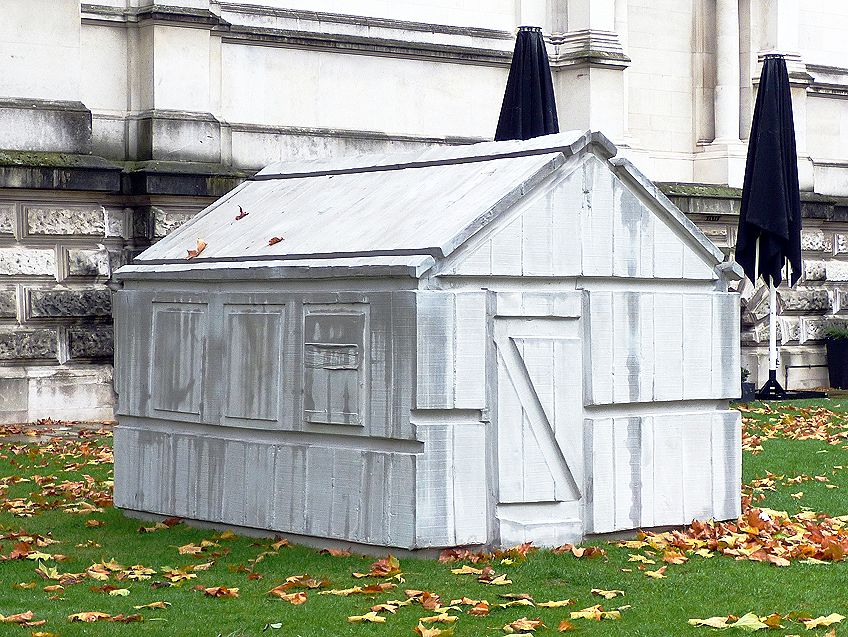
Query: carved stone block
{"type": "Point", "coordinates": [815, 270]}
{"type": "Point", "coordinates": [837, 270]}
{"type": "Point", "coordinates": [816, 241]}
{"type": "Point", "coordinates": [65, 220]}
{"type": "Point", "coordinates": [88, 263]}
{"type": "Point", "coordinates": [165, 222]}
{"type": "Point", "coordinates": [25, 261]}
{"type": "Point", "coordinates": [90, 342]}
{"type": "Point", "coordinates": [8, 305]}
{"type": "Point", "coordinates": [840, 242]}
{"type": "Point", "coordinates": [26, 344]}
{"type": "Point", "coordinates": [70, 303]}
{"type": "Point", "coordinates": [805, 300]}
{"type": "Point", "coordinates": [7, 219]}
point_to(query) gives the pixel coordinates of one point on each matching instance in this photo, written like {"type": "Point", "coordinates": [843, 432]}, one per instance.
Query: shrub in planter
{"type": "Point", "coordinates": [836, 342]}
{"type": "Point", "coordinates": [748, 389]}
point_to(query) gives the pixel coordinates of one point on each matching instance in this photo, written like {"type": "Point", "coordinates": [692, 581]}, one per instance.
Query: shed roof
{"type": "Point", "coordinates": [396, 212]}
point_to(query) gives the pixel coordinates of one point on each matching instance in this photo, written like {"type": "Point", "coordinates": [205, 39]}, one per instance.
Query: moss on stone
{"type": "Point", "coordinates": [51, 160]}
{"type": "Point", "coordinates": [699, 190]}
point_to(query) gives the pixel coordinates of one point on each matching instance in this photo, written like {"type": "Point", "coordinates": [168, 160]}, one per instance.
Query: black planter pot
{"type": "Point", "coordinates": [837, 362]}
{"type": "Point", "coordinates": [748, 392]}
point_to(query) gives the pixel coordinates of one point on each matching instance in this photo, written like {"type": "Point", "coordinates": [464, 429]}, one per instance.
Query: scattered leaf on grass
{"type": "Point", "coordinates": [749, 622]}
{"type": "Point", "coordinates": [292, 598]}
{"type": "Point", "coordinates": [557, 603]}
{"type": "Point", "coordinates": [159, 605]}
{"type": "Point", "coordinates": [488, 576]}
{"type": "Point", "coordinates": [674, 557]}
{"type": "Point", "coordinates": [371, 617]}
{"type": "Point", "coordinates": [88, 616]}
{"type": "Point", "coordinates": [279, 542]}
{"type": "Point", "coordinates": [431, 631]}
{"type": "Point", "coordinates": [480, 609]}
{"type": "Point", "coordinates": [382, 587]}
{"type": "Point", "coordinates": [523, 625]}
{"type": "Point", "coordinates": [218, 591]}
{"type": "Point", "coordinates": [24, 619]}
{"type": "Point", "coordinates": [833, 618]}
{"type": "Point", "coordinates": [580, 551]}
{"type": "Point", "coordinates": [335, 552]}
{"type": "Point", "coordinates": [442, 618]}
{"type": "Point", "coordinates": [712, 622]}
{"type": "Point", "coordinates": [595, 613]}
{"type": "Point", "coordinates": [606, 594]}
{"type": "Point", "coordinates": [385, 567]}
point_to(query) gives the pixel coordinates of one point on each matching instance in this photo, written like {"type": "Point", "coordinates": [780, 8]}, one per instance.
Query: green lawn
{"type": "Point", "coordinates": [700, 588]}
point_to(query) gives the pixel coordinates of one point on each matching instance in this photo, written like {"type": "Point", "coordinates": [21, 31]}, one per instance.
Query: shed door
{"type": "Point", "coordinates": [540, 409]}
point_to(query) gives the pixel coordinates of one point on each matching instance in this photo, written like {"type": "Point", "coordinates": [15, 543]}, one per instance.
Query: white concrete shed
{"type": "Point", "coordinates": [476, 345]}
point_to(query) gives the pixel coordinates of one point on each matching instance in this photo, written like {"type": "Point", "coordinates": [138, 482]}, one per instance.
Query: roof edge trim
{"type": "Point", "coordinates": [434, 252]}
{"type": "Point", "coordinates": [604, 147]}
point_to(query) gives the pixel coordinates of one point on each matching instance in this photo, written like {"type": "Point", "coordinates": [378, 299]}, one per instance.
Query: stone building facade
{"type": "Point", "coordinates": [119, 119]}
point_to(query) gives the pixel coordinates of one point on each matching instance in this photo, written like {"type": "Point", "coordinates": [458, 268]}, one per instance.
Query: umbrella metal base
{"type": "Point", "coordinates": [773, 390]}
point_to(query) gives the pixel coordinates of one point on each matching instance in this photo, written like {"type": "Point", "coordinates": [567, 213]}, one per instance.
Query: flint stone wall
{"type": "Point", "coordinates": [820, 297]}
{"type": "Point", "coordinates": [57, 253]}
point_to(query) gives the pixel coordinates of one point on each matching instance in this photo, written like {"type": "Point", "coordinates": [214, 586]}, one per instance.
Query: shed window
{"type": "Point", "coordinates": [333, 374]}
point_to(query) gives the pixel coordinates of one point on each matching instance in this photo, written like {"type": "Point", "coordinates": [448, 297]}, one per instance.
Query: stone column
{"type": "Point", "coordinates": [175, 75]}
{"type": "Point", "coordinates": [723, 160]}
{"type": "Point", "coordinates": [533, 13]}
{"type": "Point", "coordinates": [589, 69]}
{"type": "Point", "coordinates": [622, 30]}
{"type": "Point", "coordinates": [727, 72]}
{"type": "Point", "coordinates": [781, 35]}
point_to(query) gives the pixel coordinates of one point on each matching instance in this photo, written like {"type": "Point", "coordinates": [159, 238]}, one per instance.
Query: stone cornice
{"type": "Point", "coordinates": [590, 47]}
{"type": "Point", "coordinates": [248, 24]}
{"type": "Point", "coordinates": [324, 18]}
{"type": "Point", "coordinates": [590, 57]}
{"type": "Point", "coordinates": [203, 18]}
{"type": "Point", "coordinates": [828, 81]}
{"type": "Point", "coordinates": [367, 45]}
{"type": "Point", "coordinates": [350, 134]}
{"type": "Point", "coordinates": [344, 33]}
{"type": "Point", "coordinates": [73, 172]}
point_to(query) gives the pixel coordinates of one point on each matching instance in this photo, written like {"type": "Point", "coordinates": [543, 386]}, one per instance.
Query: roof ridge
{"type": "Point", "coordinates": [518, 148]}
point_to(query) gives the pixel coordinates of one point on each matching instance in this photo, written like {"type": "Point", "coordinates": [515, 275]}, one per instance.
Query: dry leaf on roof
{"type": "Point", "coordinates": [201, 246]}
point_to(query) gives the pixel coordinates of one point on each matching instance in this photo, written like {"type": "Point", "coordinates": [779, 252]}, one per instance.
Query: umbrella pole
{"type": "Point", "coordinates": [772, 331]}
{"type": "Point", "coordinates": [772, 390]}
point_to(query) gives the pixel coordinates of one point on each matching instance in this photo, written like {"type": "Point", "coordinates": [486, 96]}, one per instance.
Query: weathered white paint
{"type": "Point", "coordinates": [469, 346]}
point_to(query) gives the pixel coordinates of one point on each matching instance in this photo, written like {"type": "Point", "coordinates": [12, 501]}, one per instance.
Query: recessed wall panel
{"type": "Point", "coordinates": [253, 347]}
{"type": "Point", "coordinates": [179, 349]}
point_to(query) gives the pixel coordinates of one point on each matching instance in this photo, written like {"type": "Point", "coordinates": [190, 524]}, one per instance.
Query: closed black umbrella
{"type": "Point", "coordinates": [528, 109]}
{"type": "Point", "coordinates": [769, 237]}
{"type": "Point", "coordinates": [770, 220]}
